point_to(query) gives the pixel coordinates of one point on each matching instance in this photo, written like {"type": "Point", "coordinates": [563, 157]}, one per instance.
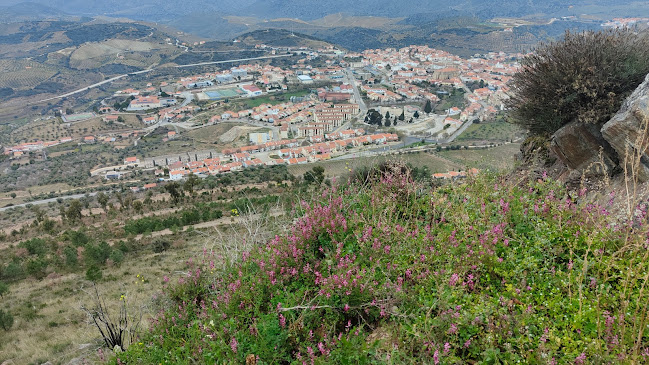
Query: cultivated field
{"type": "Point", "coordinates": [497, 158]}
{"type": "Point", "coordinates": [53, 129]}
{"type": "Point", "coordinates": [337, 168]}
{"type": "Point", "coordinates": [494, 131]}
{"type": "Point", "coordinates": [23, 74]}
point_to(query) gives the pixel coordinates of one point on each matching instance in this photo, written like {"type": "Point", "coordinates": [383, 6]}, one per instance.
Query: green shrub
{"type": "Point", "coordinates": [13, 271]}
{"type": "Point", "coordinates": [6, 320]}
{"type": "Point", "coordinates": [4, 289]}
{"type": "Point", "coordinates": [35, 246]}
{"type": "Point", "coordinates": [160, 245]}
{"type": "Point", "coordinates": [583, 77]}
{"type": "Point", "coordinates": [117, 256]}
{"type": "Point", "coordinates": [37, 267]}
{"type": "Point", "coordinates": [94, 273]}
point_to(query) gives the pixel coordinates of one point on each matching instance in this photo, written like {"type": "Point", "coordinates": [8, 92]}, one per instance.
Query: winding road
{"type": "Point", "coordinates": [151, 69]}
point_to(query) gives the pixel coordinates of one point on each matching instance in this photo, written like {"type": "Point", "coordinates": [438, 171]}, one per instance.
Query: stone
{"type": "Point", "coordinates": [578, 146]}
{"type": "Point", "coordinates": [623, 130]}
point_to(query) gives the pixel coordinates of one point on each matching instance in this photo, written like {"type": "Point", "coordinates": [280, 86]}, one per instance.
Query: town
{"type": "Point", "coordinates": [323, 106]}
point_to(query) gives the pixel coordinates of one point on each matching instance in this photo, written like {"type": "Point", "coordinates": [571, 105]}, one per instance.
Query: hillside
{"type": "Point", "coordinates": [391, 271]}
{"type": "Point", "coordinates": [282, 38]}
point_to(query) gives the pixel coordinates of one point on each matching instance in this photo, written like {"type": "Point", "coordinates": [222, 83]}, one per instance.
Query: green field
{"type": "Point", "coordinates": [494, 131]}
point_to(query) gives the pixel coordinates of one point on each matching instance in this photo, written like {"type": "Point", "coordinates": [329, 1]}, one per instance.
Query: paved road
{"type": "Point", "coordinates": [460, 130]}
{"type": "Point", "coordinates": [357, 95]}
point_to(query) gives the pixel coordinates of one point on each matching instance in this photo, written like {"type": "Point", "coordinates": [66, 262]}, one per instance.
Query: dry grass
{"type": "Point", "coordinates": [59, 332]}
{"type": "Point", "coordinates": [211, 133]}
{"type": "Point", "coordinates": [54, 129]}
{"type": "Point", "coordinates": [497, 158]}
{"type": "Point", "coordinates": [337, 168]}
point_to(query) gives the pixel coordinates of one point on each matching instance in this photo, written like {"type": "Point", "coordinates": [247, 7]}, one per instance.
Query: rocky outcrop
{"type": "Point", "coordinates": [623, 131]}
{"type": "Point", "coordinates": [578, 146]}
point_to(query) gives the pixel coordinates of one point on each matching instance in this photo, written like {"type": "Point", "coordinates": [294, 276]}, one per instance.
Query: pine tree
{"type": "Point", "coordinates": [428, 108]}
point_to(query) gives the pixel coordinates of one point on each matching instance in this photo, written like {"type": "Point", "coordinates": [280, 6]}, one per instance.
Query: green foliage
{"type": "Point", "coordinates": [97, 254]}
{"type": "Point", "coordinates": [382, 269]}
{"type": "Point", "coordinates": [73, 213]}
{"type": "Point", "coordinates": [117, 256]}
{"type": "Point", "coordinates": [374, 117]}
{"type": "Point", "coordinates": [160, 245]}
{"type": "Point", "coordinates": [70, 254]}
{"type": "Point", "coordinates": [4, 288]}
{"type": "Point", "coordinates": [6, 320]}
{"type": "Point", "coordinates": [13, 271]}
{"type": "Point", "coordinates": [35, 246]}
{"type": "Point", "coordinates": [583, 77]}
{"type": "Point", "coordinates": [315, 176]}
{"type": "Point", "coordinates": [36, 267]}
{"type": "Point", "coordinates": [175, 190]}
{"type": "Point", "coordinates": [94, 273]}
{"type": "Point", "coordinates": [200, 213]}
{"type": "Point", "coordinates": [427, 108]}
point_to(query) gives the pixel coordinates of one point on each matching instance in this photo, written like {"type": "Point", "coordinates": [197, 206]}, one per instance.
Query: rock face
{"type": "Point", "coordinates": [577, 145]}
{"type": "Point", "coordinates": [623, 130]}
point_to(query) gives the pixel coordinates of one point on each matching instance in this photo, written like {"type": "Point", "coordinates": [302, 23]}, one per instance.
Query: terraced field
{"type": "Point", "coordinates": [336, 168]}
{"type": "Point", "coordinates": [120, 51]}
{"type": "Point", "coordinates": [23, 74]}
{"type": "Point", "coordinates": [497, 158]}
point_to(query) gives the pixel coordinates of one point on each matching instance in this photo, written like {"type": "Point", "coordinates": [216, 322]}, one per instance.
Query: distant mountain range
{"type": "Point", "coordinates": [168, 10]}
{"type": "Point", "coordinates": [462, 27]}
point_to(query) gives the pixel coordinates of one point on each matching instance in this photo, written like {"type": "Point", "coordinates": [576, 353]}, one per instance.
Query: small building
{"type": "Point", "coordinates": [113, 175]}
{"type": "Point", "coordinates": [251, 90]}
{"type": "Point", "coordinates": [131, 161]}
{"type": "Point", "coordinates": [305, 79]}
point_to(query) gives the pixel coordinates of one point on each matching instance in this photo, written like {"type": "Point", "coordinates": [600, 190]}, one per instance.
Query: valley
{"type": "Point", "coordinates": [314, 181]}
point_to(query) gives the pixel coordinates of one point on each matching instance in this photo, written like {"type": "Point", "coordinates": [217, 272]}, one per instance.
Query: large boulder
{"type": "Point", "coordinates": [578, 146]}
{"type": "Point", "coordinates": [623, 131]}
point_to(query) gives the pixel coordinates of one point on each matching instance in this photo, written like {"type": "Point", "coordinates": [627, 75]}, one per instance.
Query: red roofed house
{"type": "Point", "coordinates": [131, 161]}
{"type": "Point", "coordinates": [251, 90]}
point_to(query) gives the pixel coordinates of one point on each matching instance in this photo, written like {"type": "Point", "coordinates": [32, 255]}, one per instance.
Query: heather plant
{"type": "Point", "coordinates": [583, 77]}
{"type": "Point", "coordinates": [385, 270]}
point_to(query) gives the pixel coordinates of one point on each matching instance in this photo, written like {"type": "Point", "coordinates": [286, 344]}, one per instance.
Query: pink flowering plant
{"type": "Point", "coordinates": [384, 269]}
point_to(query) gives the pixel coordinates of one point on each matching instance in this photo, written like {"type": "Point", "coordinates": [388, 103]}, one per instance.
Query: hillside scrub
{"type": "Point", "coordinates": [382, 269]}
{"type": "Point", "coordinates": [583, 77]}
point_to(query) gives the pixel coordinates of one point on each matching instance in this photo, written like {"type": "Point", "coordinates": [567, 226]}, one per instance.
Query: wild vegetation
{"type": "Point", "coordinates": [583, 77]}
{"type": "Point", "coordinates": [382, 269]}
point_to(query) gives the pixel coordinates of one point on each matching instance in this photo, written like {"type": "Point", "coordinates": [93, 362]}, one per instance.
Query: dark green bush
{"type": "Point", "coordinates": [583, 77]}
{"type": "Point", "coordinates": [160, 245]}
{"type": "Point", "coordinates": [6, 320]}
{"type": "Point", "coordinates": [94, 273]}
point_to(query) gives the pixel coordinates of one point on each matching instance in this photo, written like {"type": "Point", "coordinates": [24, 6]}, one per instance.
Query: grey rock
{"type": "Point", "coordinates": [623, 130]}
{"type": "Point", "coordinates": [578, 146]}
